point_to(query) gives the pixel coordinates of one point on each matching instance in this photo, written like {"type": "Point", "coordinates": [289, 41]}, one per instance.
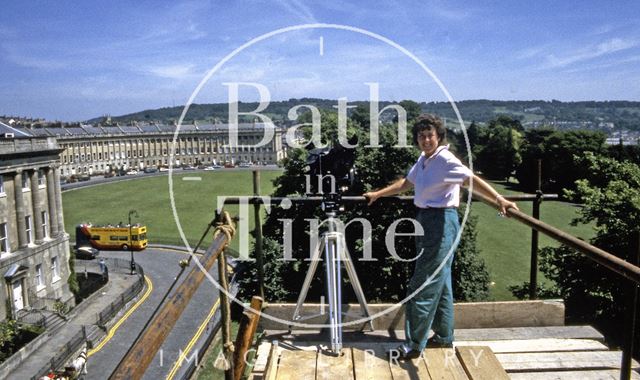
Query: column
{"type": "Point", "coordinates": [20, 214]}
{"type": "Point", "coordinates": [59, 216]}
{"type": "Point", "coordinates": [51, 198]}
{"type": "Point", "coordinates": [36, 205]}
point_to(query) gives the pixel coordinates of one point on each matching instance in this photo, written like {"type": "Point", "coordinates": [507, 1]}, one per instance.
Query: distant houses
{"type": "Point", "coordinates": [88, 149]}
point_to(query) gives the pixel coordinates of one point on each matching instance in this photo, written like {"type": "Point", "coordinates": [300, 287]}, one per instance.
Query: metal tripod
{"type": "Point", "coordinates": [335, 252]}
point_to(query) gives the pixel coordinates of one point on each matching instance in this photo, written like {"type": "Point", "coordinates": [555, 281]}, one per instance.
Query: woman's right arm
{"type": "Point", "coordinates": [400, 186]}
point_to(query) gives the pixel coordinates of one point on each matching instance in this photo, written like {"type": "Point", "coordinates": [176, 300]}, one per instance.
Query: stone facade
{"type": "Point", "coordinates": [96, 149]}
{"type": "Point", "coordinates": [34, 247]}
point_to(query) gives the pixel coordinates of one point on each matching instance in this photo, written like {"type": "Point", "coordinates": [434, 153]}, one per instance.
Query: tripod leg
{"type": "Point", "coordinates": [307, 280]}
{"type": "Point", "coordinates": [353, 276]}
{"type": "Point", "coordinates": [333, 291]}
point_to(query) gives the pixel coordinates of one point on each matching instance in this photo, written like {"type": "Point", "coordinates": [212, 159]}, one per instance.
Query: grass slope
{"type": "Point", "coordinates": [504, 244]}
{"type": "Point", "coordinates": [195, 203]}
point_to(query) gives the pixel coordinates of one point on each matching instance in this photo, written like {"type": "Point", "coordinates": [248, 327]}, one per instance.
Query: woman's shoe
{"type": "Point", "coordinates": [434, 343]}
{"type": "Point", "coordinates": [403, 353]}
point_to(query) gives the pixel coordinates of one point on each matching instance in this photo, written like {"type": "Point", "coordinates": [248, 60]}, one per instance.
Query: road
{"type": "Point", "coordinates": [161, 266]}
{"type": "Point", "coordinates": [99, 179]}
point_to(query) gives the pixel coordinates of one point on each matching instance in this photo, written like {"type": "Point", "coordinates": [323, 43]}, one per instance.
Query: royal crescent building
{"type": "Point", "coordinates": [97, 149]}
{"type": "Point", "coordinates": [34, 247]}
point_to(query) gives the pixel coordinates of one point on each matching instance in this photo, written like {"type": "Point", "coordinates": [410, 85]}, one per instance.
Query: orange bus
{"type": "Point", "coordinates": [119, 237]}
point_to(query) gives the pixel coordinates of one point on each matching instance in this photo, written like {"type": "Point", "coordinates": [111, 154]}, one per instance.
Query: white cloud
{"type": "Point", "coordinates": [176, 71]}
{"type": "Point", "coordinates": [298, 9]}
{"type": "Point", "coordinates": [593, 51]}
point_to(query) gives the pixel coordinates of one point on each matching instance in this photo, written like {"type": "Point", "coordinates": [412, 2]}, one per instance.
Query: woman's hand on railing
{"type": "Point", "coordinates": [504, 204]}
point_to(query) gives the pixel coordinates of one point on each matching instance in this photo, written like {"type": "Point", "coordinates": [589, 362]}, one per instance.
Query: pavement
{"type": "Point", "coordinates": [85, 314]}
{"type": "Point", "coordinates": [186, 340]}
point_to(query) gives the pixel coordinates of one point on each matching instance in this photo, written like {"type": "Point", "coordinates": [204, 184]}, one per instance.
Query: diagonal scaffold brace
{"type": "Point", "coordinates": [144, 349]}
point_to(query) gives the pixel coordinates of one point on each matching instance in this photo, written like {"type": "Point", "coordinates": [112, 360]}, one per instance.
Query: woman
{"type": "Point", "coordinates": [436, 178]}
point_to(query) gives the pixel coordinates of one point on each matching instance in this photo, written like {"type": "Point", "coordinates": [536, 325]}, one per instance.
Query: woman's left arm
{"type": "Point", "coordinates": [485, 189]}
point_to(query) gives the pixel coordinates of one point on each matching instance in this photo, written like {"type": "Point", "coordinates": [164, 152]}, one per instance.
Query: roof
{"type": "Point", "coordinates": [87, 129]}
{"type": "Point", "coordinates": [17, 133]}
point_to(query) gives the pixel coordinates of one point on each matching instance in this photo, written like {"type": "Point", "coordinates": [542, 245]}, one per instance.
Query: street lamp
{"type": "Point", "coordinates": [133, 263]}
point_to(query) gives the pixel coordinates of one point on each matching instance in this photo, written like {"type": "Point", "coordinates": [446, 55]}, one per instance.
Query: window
{"type": "Point", "coordinates": [1, 185]}
{"type": "Point", "coordinates": [4, 238]}
{"type": "Point", "coordinates": [113, 238]}
{"type": "Point", "coordinates": [39, 277]}
{"type": "Point", "coordinates": [45, 223]}
{"type": "Point", "coordinates": [29, 227]}
{"type": "Point", "coordinates": [25, 180]}
{"type": "Point", "coordinates": [55, 268]}
{"type": "Point", "coordinates": [41, 178]}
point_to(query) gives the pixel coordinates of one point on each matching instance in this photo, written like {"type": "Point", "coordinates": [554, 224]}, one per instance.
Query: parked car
{"type": "Point", "coordinates": [209, 168]}
{"type": "Point", "coordinates": [150, 170]}
{"type": "Point", "coordinates": [86, 253]}
{"type": "Point", "coordinates": [188, 168]}
{"type": "Point", "coordinates": [109, 174]}
{"type": "Point", "coordinates": [132, 172]}
{"type": "Point", "coordinates": [164, 169]}
{"type": "Point", "coordinates": [84, 177]}
{"type": "Point", "coordinates": [217, 166]}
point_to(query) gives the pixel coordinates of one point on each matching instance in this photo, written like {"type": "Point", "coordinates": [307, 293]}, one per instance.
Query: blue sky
{"type": "Point", "coordinates": [74, 60]}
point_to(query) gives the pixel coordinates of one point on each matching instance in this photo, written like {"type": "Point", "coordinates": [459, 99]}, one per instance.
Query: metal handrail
{"type": "Point", "coordinates": [606, 259]}
{"type": "Point", "coordinates": [600, 256]}
{"type": "Point", "coordinates": [596, 254]}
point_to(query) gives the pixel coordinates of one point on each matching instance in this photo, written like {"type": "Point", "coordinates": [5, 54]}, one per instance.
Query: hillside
{"type": "Point", "coordinates": [601, 115]}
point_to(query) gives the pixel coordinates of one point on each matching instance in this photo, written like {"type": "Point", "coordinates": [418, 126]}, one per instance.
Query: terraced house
{"type": "Point", "coordinates": [91, 149]}
{"type": "Point", "coordinates": [34, 247]}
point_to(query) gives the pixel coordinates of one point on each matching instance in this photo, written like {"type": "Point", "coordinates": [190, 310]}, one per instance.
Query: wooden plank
{"type": "Point", "coordinates": [297, 365]}
{"type": "Point", "coordinates": [562, 361]}
{"type": "Point", "coordinates": [331, 367]}
{"type": "Point", "coordinates": [609, 374]}
{"type": "Point", "coordinates": [443, 364]}
{"type": "Point", "coordinates": [263, 354]}
{"type": "Point", "coordinates": [413, 369]}
{"type": "Point", "coordinates": [272, 363]}
{"type": "Point", "coordinates": [467, 315]}
{"type": "Point", "coordinates": [537, 345]}
{"type": "Point", "coordinates": [509, 314]}
{"type": "Point", "coordinates": [559, 332]}
{"type": "Point", "coordinates": [480, 363]}
{"type": "Point", "coordinates": [371, 364]}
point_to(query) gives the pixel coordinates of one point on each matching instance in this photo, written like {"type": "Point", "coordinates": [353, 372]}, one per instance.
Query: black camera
{"type": "Point", "coordinates": [331, 170]}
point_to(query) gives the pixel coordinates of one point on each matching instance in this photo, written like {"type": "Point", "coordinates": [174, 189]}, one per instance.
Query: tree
{"type": "Point", "coordinates": [497, 153]}
{"type": "Point", "coordinates": [611, 199]}
{"type": "Point", "coordinates": [557, 150]}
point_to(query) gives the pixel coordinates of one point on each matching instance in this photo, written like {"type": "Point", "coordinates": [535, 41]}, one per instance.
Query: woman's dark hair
{"type": "Point", "coordinates": [428, 121]}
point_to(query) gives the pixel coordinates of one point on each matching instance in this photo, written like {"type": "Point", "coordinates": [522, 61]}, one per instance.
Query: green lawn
{"type": "Point", "coordinates": [506, 244]}
{"type": "Point", "coordinates": [195, 203]}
